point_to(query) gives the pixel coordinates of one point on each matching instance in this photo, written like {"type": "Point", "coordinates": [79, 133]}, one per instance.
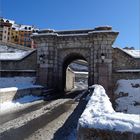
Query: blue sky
{"type": "Point", "coordinates": [122, 15]}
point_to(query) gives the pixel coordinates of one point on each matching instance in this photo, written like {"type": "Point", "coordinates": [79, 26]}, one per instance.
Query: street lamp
{"type": "Point", "coordinates": [41, 58]}
{"type": "Point", "coordinates": [102, 57]}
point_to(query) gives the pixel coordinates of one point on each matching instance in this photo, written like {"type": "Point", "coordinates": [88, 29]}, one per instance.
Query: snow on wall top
{"type": "Point", "coordinates": [15, 83]}
{"type": "Point", "coordinates": [6, 82]}
{"type": "Point", "coordinates": [4, 48]}
{"type": "Point", "coordinates": [133, 53]}
{"type": "Point", "coordinates": [11, 53]}
{"type": "Point", "coordinates": [14, 55]}
{"type": "Point", "coordinates": [99, 114]}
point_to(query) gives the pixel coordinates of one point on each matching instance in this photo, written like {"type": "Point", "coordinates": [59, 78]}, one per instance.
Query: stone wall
{"type": "Point", "coordinates": [15, 93]}
{"type": "Point", "coordinates": [98, 134]}
{"type": "Point", "coordinates": [58, 49]}
{"type": "Point", "coordinates": [70, 79]}
{"type": "Point", "coordinates": [123, 61]}
{"type": "Point", "coordinates": [24, 67]}
{"type": "Point", "coordinates": [99, 121]}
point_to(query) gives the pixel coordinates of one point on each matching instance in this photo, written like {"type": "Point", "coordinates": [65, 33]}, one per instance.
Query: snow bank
{"type": "Point", "coordinates": [17, 82]}
{"type": "Point", "coordinates": [6, 106]}
{"type": "Point", "coordinates": [99, 114]}
{"type": "Point", "coordinates": [128, 93]}
{"type": "Point", "coordinates": [10, 86]}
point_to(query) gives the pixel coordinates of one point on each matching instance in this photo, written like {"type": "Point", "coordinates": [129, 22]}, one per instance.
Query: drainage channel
{"type": "Point", "coordinates": [52, 121]}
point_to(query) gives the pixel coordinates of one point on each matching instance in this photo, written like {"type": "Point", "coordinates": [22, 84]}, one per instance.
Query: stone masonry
{"type": "Point", "coordinates": [57, 49]}
{"type": "Point", "coordinates": [123, 61]}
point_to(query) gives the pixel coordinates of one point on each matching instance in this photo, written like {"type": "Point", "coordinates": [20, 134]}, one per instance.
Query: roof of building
{"type": "Point", "coordinates": [10, 21]}
{"type": "Point", "coordinates": [20, 26]}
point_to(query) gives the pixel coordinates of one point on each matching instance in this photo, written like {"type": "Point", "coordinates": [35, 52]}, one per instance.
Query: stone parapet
{"type": "Point", "coordinates": [14, 93]}
{"type": "Point", "coordinates": [99, 121]}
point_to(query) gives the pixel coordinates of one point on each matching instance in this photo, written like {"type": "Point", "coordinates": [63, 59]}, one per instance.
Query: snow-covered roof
{"type": "Point", "coordinates": [132, 53]}
{"type": "Point", "coordinates": [14, 55]}
{"type": "Point", "coordinates": [16, 26]}
{"type": "Point", "coordinates": [99, 114]}
{"type": "Point", "coordinates": [24, 27]}
{"type": "Point", "coordinates": [10, 21]}
{"type": "Point", "coordinates": [20, 26]}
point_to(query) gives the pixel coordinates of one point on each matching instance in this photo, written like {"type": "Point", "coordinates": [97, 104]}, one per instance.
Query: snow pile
{"type": "Point", "coordinates": [99, 114]}
{"type": "Point", "coordinates": [4, 107]}
{"type": "Point", "coordinates": [128, 93]}
{"type": "Point", "coordinates": [13, 83]}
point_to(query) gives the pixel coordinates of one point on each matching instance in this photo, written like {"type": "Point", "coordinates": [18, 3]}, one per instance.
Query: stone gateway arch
{"type": "Point", "coordinates": [57, 49]}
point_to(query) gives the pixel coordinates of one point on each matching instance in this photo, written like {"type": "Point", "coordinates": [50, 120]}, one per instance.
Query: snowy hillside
{"type": "Point", "coordinates": [128, 96]}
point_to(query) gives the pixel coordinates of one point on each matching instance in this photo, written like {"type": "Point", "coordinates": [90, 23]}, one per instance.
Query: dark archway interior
{"type": "Point", "coordinates": [69, 59]}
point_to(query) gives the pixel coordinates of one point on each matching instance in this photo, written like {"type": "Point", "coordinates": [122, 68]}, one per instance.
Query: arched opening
{"type": "Point", "coordinates": [75, 72]}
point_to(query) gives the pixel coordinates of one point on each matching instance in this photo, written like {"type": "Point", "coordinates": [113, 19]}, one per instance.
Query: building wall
{"type": "Point", "coordinates": [70, 79]}
{"type": "Point", "coordinates": [15, 36]}
{"type": "Point", "coordinates": [16, 33]}
{"type": "Point", "coordinates": [24, 38]}
{"type": "Point", "coordinates": [5, 31]}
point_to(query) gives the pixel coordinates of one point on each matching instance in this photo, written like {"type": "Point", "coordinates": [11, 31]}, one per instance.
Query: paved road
{"type": "Point", "coordinates": [26, 108]}
{"type": "Point", "coordinates": [63, 121]}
